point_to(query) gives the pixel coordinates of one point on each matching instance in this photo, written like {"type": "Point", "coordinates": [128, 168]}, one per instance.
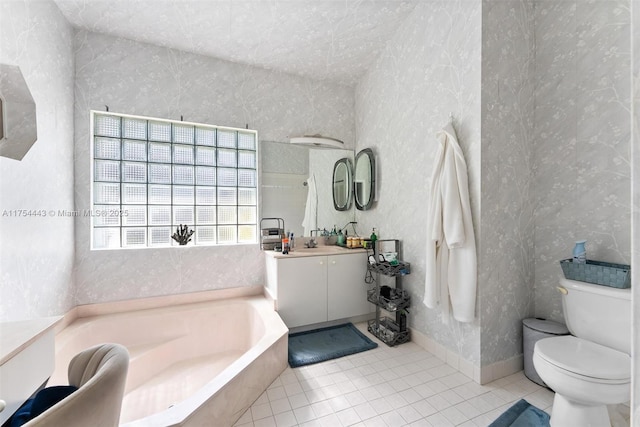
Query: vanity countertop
{"type": "Point", "coordinates": [15, 336]}
{"type": "Point", "coordinates": [321, 250]}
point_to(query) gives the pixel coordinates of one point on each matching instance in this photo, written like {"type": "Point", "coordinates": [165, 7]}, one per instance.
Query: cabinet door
{"type": "Point", "coordinates": [302, 290]}
{"type": "Point", "coordinates": [347, 292]}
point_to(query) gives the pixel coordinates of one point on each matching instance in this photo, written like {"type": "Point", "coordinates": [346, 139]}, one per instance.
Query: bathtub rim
{"type": "Point", "coordinates": [179, 413]}
{"type": "Point", "coordinates": [275, 330]}
{"type": "Point", "coordinates": [119, 306]}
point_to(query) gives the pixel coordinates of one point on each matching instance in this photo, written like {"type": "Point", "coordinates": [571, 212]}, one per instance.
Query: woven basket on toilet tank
{"type": "Point", "coordinates": [598, 272]}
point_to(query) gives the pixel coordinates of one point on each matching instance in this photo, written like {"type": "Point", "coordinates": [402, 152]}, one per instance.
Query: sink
{"type": "Point", "coordinates": [321, 250]}
{"type": "Point", "coordinates": [313, 250]}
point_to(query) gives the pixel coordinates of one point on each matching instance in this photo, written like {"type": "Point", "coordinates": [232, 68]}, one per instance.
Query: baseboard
{"type": "Point", "coordinates": [480, 374]}
{"type": "Point", "coordinates": [501, 369]}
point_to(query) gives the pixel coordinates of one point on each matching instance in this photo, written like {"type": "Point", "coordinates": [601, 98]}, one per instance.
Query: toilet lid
{"type": "Point", "coordinates": [585, 358]}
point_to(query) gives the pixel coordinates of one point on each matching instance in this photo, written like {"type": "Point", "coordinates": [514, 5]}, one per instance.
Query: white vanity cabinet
{"type": "Point", "coordinates": [346, 290]}
{"type": "Point", "coordinates": [302, 290]}
{"type": "Point", "coordinates": [315, 287]}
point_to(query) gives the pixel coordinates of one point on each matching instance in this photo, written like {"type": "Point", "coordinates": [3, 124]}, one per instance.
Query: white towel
{"type": "Point", "coordinates": [451, 265]}
{"type": "Point", "coordinates": [310, 221]}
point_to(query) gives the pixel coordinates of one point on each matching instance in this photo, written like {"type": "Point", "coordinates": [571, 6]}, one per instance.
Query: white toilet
{"type": "Point", "coordinates": [591, 368]}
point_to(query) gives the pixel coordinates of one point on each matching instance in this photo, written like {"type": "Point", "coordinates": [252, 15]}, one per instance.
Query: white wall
{"type": "Point", "coordinates": [551, 165]}
{"type": "Point", "coordinates": [635, 203]}
{"type": "Point", "coordinates": [582, 138]}
{"type": "Point", "coordinates": [142, 79]}
{"type": "Point", "coordinates": [36, 253]}
{"type": "Point", "coordinates": [505, 273]}
{"type": "Point", "coordinates": [555, 154]}
{"type": "Point", "coordinates": [430, 68]}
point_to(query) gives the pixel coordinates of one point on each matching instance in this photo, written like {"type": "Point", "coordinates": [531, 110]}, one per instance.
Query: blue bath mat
{"type": "Point", "coordinates": [323, 344]}
{"type": "Point", "coordinates": [522, 414]}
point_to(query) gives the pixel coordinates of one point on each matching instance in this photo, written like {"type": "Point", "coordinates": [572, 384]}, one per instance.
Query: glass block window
{"type": "Point", "coordinates": [152, 175]}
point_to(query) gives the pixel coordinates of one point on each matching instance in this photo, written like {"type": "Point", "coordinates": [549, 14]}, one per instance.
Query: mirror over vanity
{"type": "Point", "coordinates": [342, 181]}
{"type": "Point", "coordinates": [286, 170]}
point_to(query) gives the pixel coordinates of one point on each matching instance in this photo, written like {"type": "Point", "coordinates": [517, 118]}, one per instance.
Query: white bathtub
{"type": "Point", "coordinates": [192, 364]}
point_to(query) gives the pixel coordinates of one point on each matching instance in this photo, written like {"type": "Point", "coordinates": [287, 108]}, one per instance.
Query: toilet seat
{"type": "Point", "coordinates": [586, 360]}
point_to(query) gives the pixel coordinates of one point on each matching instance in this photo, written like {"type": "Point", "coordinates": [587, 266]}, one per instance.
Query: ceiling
{"type": "Point", "coordinates": [336, 40]}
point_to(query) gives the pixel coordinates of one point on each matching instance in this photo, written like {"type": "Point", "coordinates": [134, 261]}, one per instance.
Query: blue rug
{"type": "Point", "coordinates": [323, 344]}
{"type": "Point", "coordinates": [522, 414]}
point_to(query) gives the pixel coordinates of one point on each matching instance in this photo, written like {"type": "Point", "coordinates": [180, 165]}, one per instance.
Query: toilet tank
{"type": "Point", "coordinates": [597, 313]}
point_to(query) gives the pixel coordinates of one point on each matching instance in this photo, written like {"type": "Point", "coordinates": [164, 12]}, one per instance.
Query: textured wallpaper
{"type": "Point", "coordinates": [551, 166]}
{"type": "Point", "coordinates": [36, 252]}
{"type": "Point", "coordinates": [138, 78]}
{"type": "Point", "coordinates": [582, 133]}
{"type": "Point", "coordinates": [505, 273]}
{"type": "Point", "coordinates": [635, 167]}
{"type": "Point", "coordinates": [431, 68]}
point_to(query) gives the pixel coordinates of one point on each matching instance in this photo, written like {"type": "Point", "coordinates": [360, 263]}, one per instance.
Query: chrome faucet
{"type": "Point", "coordinates": [312, 243]}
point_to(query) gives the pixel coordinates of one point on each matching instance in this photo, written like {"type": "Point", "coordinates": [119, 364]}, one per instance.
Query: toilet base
{"type": "Point", "coordinates": [566, 413]}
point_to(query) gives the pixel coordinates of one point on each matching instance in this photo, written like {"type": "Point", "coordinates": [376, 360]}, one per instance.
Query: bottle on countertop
{"type": "Point", "coordinates": [373, 239]}
{"type": "Point", "coordinates": [341, 238]}
{"type": "Point", "coordinates": [580, 252]}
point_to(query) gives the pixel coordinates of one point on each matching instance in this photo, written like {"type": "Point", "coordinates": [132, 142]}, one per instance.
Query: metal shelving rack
{"type": "Point", "coordinates": [390, 331]}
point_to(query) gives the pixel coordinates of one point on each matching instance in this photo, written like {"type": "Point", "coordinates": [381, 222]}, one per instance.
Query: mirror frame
{"type": "Point", "coordinates": [372, 173]}
{"type": "Point", "coordinates": [349, 185]}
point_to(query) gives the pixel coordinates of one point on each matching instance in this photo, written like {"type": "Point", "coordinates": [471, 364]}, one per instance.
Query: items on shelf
{"type": "Point", "coordinates": [391, 299]}
{"type": "Point", "coordinates": [271, 237]}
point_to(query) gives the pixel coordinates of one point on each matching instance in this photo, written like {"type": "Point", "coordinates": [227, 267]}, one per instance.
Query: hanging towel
{"type": "Point", "coordinates": [310, 221]}
{"type": "Point", "coordinates": [451, 263]}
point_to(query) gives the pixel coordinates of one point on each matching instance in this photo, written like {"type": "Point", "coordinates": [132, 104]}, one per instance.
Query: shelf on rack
{"type": "Point", "coordinates": [398, 300]}
{"type": "Point", "coordinates": [383, 267]}
{"type": "Point", "coordinates": [388, 331]}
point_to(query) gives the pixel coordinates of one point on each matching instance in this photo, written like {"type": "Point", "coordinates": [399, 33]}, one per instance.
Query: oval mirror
{"type": "Point", "coordinates": [342, 184]}
{"type": "Point", "coordinates": [364, 179]}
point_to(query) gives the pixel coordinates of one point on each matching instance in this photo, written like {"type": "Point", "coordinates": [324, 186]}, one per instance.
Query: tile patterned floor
{"type": "Point", "coordinates": [400, 386]}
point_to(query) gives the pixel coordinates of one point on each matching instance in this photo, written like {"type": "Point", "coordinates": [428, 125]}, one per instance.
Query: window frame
{"type": "Point", "coordinates": [102, 212]}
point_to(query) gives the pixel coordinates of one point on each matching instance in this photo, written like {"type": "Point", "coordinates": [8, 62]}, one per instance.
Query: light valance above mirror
{"type": "Point", "coordinates": [317, 141]}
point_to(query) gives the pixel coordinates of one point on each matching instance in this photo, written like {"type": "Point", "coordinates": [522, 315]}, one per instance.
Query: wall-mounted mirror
{"type": "Point", "coordinates": [285, 169]}
{"type": "Point", "coordinates": [364, 179]}
{"type": "Point", "coordinates": [18, 126]}
{"type": "Point", "coordinates": [342, 184]}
